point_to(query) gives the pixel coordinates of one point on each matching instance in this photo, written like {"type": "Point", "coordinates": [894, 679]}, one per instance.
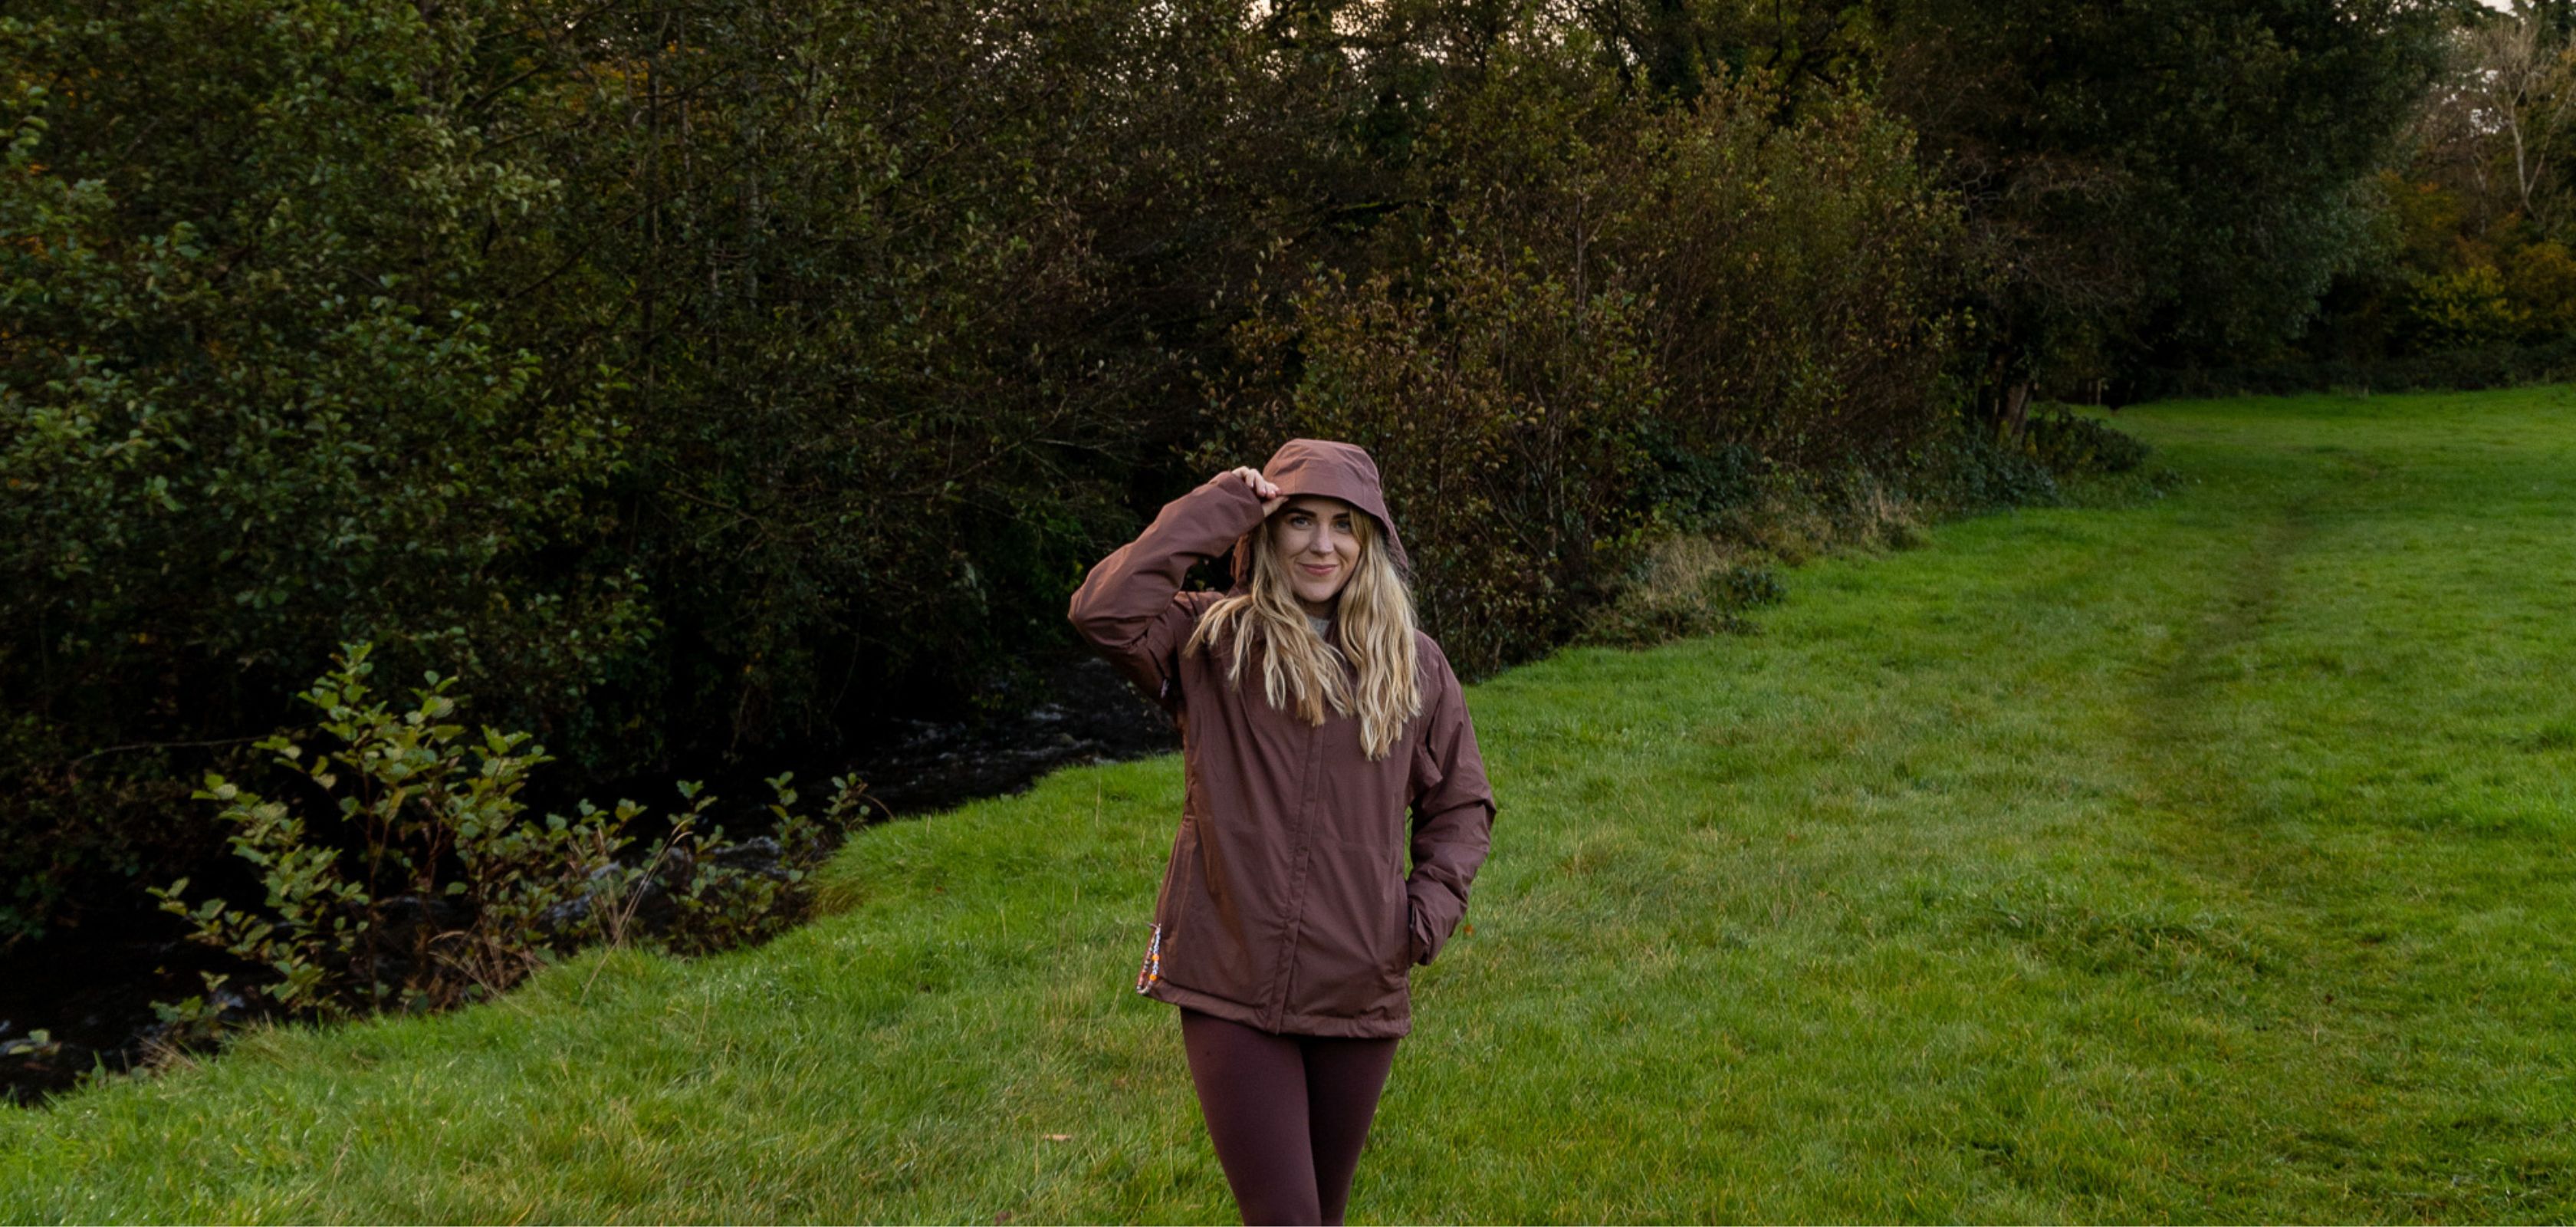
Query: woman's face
{"type": "Point", "coordinates": [1317, 540]}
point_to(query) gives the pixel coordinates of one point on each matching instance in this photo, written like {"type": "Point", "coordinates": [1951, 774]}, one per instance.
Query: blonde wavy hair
{"type": "Point", "coordinates": [1374, 632]}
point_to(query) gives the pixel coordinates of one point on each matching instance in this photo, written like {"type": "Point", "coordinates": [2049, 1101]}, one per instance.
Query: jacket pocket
{"type": "Point", "coordinates": [1395, 960]}
{"type": "Point", "coordinates": [1350, 936]}
{"type": "Point", "coordinates": [1171, 903]}
{"type": "Point", "coordinates": [1414, 946]}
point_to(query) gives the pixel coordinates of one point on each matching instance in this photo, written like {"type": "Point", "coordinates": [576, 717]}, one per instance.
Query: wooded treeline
{"type": "Point", "coordinates": [697, 378]}
{"type": "Point", "coordinates": [2474, 223]}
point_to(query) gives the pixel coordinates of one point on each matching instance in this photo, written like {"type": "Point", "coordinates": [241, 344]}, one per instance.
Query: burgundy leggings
{"type": "Point", "coordinates": [1287, 1113]}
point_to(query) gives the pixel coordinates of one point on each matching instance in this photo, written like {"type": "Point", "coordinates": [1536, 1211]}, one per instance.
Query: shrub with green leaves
{"type": "Point", "coordinates": [1502, 408]}
{"type": "Point", "coordinates": [2069, 442]}
{"type": "Point", "coordinates": [1606, 314]}
{"type": "Point", "coordinates": [2466, 308]}
{"type": "Point", "coordinates": [708, 381]}
{"type": "Point", "coordinates": [259, 393]}
{"type": "Point", "coordinates": [431, 884]}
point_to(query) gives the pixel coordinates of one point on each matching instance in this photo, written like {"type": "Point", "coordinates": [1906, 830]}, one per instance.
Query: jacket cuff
{"type": "Point", "coordinates": [1430, 915]}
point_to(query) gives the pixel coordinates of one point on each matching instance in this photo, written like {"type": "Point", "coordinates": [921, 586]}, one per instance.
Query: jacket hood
{"type": "Point", "coordinates": [1334, 470]}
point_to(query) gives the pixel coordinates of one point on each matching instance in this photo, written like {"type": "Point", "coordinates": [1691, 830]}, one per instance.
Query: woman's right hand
{"type": "Point", "coordinates": [1260, 486]}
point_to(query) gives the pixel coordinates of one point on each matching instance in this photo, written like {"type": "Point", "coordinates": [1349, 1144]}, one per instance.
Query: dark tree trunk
{"type": "Point", "coordinates": [2016, 410]}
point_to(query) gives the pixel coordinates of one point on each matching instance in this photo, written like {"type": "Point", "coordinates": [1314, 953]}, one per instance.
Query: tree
{"type": "Point", "coordinates": [2156, 181]}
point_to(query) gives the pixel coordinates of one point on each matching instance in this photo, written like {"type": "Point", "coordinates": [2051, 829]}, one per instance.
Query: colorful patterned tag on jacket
{"type": "Point", "coordinates": [1153, 968]}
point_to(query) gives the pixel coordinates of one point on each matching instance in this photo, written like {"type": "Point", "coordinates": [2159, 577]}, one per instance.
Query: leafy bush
{"type": "Point", "coordinates": [1502, 410]}
{"type": "Point", "coordinates": [434, 886]}
{"type": "Point", "coordinates": [1692, 490]}
{"type": "Point", "coordinates": [2066, 442]}
{"type": "Point", "coordinates": [256, 397]}
{"type": "Point", "coordinates": [2540, 283]}
{"type": "Point", "coordinates": [2465, 308]}
{"type": "Point", "coordinates": [1612, 313]}
{"type": "Point", "coordinates": [1971, 471]}
{"type": "Point", "coordinates": [1801, 277]}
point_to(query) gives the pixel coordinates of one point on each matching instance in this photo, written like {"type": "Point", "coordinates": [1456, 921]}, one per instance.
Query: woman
{"type": "Point", "coordinates": [1313, 717]}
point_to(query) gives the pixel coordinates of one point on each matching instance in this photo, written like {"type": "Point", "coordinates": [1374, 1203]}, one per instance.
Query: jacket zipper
{"type": "Point", "coordinates": [1310, 782]}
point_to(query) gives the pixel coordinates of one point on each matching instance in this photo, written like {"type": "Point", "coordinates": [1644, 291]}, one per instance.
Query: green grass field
{"type": "Point", "coordinates": [2205, 859]}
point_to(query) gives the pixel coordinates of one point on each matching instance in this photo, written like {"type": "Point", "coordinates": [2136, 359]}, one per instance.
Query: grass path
{"type": "Point", "coordinates": [2207, 859]}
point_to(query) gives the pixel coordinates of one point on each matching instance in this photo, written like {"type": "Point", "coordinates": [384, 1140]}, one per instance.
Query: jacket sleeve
{"type": "Point", "coordinates": [1453, 814]}
{"type": "Point", "coordinates": [1131, 606]}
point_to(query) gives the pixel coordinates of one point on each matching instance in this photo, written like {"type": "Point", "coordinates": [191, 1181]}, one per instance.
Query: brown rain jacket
{"type": "Point", "coordinates": [1287, 904]}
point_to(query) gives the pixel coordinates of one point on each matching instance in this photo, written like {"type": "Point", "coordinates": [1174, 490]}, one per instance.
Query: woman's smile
{"type": "Point", "coordinates": [1315, 537]}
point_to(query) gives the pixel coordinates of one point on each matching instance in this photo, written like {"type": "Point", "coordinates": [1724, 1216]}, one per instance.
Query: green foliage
{"type": "Point", "coordinates": [2540, 284]}
{"type": "Point", "coordinates": [2529, 300]}
{"type": "Point", "coordinates": [255, 398]}
{"type": "Point", "coordinates": [2166, 179]}
{"type": "Point", "coordinates": [2471, 282]}
{"type": "Point", "coordinates": [1692, 488]}
{"type": "Point", "coordinates": [1621, 309]}
{"type": "Point", "coordinates": [706, 380]}
{"type": "Point", "coordinates": [2142, 182]}
{"type": "Point", "coordinates": [1501, 409]}
{"type": "Point", "coordinates": [2466, 309]}
{"type": "Point", "coordinates": [2066, 442]}
{"type": "Point", "coordinates": [676, 375]}
{"type": "Point", "coordinates": [435, 886]}
{"type": "Point", "coordinates": [1802, 277]}
{"type": "Point", "coordinates": [1971, 470]}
